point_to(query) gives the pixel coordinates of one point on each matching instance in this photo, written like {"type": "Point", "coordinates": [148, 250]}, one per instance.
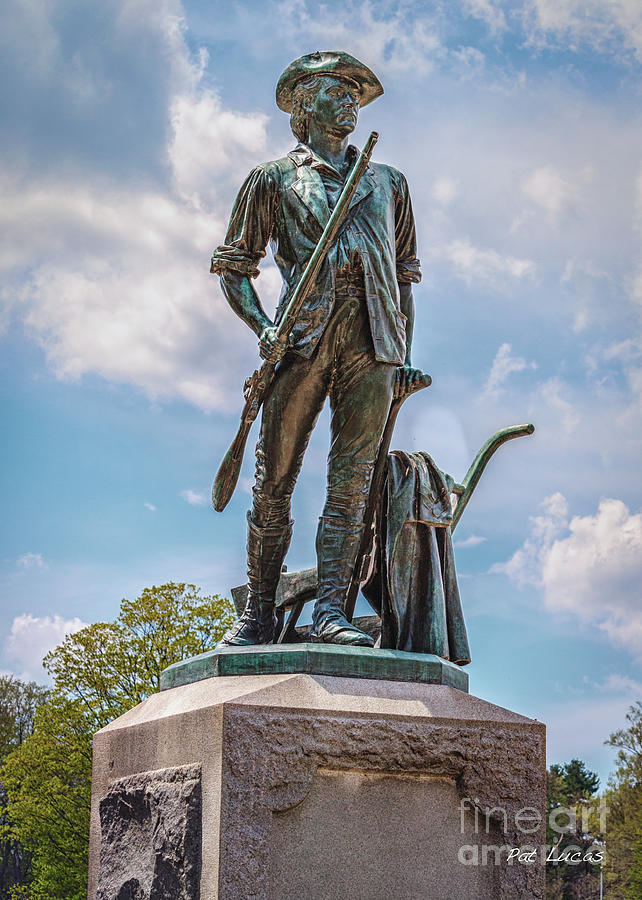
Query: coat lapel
{"type": "Point", "coordinates": [366, 186]}
{"type": "Point", "coordinates": [310, 190]}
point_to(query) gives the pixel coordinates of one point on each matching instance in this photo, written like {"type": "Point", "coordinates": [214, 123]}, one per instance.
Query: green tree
{"type": "Point", "coordinates": [572, 787]}
{"type": "Point", "coordinates": [18, 703]}
{"type": "Point", "coordinates": [99, 673]}
{"type": "Point", "coordinates": [111, 666]}
{"type": "Point", "coordinates": [48, 780]}
{"type": "Point", "coordinates": [579, 783]}
{"type": "Point", "coordinates": [624, 798]}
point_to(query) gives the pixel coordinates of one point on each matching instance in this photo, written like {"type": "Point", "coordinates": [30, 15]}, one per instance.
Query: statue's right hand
{"type": "Point", "coordinates": [269, 345]}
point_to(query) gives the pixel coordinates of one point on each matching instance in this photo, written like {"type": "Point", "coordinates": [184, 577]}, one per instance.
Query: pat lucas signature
{"type": "Point", "coordinates": [571, 855]}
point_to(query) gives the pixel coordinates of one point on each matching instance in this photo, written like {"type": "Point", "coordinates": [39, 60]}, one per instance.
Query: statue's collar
{"type": "Point", "coordinates": [302, 155]}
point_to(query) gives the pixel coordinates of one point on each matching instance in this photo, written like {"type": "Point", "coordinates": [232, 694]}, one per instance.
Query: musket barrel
{"type": "Point", "coordinates": [325, 241]}
{"type": "Point", "coordinates": [229, 470]}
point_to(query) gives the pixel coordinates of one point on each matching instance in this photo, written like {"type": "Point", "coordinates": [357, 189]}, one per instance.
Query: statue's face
{"type": "Point", "coordinates": [336, 106]}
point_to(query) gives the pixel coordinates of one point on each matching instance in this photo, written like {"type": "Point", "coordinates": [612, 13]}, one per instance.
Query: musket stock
{"type": "Point", "coordinates": [258, 385]}
{"type": "Point", "coordinates": [255, 389]}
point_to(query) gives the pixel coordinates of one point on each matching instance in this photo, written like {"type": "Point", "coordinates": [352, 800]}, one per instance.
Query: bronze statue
{"type": "Point", "coordinates": [351, 340]}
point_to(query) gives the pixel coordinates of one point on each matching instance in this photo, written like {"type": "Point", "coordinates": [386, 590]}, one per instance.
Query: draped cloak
{"type": "Point", "coordinates": [413, 581]}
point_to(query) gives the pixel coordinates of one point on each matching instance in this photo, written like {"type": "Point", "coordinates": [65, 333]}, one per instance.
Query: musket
{"type": "Point", "coordinates": [258, 385]}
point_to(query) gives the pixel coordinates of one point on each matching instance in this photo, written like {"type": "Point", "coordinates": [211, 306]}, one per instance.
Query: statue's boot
{"type": "Point", "coordinates": [266, 549]}
{"type": "Point", "coordinates": [337, 550]}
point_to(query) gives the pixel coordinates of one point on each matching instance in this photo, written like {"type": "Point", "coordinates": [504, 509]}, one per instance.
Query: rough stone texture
{"type": "Point", "coordinates": [495, 768]}
{"type": "Point", "coordinates": [301, 770]}
{"type": "Point", "coordinates": [151, 836]}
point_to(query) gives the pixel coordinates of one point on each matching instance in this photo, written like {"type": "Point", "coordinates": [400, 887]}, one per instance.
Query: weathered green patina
{"type": "Point", "coordinates": [317, 659]}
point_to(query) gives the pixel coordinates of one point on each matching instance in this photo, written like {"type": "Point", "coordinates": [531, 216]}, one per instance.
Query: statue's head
{"type": "Point", "coordinates": [328, 87]}
{"type": "Point", "coordinates": [332, 102]}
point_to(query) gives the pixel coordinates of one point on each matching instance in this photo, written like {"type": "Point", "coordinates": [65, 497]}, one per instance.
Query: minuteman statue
{"type": "Point", "coordinates": [351, 341]}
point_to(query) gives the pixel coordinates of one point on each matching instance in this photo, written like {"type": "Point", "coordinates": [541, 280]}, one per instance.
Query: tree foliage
{"type": "Point", "coordinates": [624, 798]}
{"type": "Point", "coordinates": [48, 780]}
{"type": "Point", "coordinates": [572, 787]}
{"type": "Point", "coordinates": [111, 666]}
{"type": "Point", "coordinates": [18, 703]}
{"type": "Point", "coordinates": [99, 673]}
{"type": "Point", "coordinates": [578, 783]}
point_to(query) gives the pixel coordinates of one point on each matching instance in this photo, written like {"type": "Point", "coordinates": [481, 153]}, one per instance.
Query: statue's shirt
{"type": "Point", "coordinates": [286, 203]}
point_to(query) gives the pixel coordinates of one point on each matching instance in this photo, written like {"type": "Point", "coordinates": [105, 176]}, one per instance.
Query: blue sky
{"type": "Point", "coordinates": [128, 127]}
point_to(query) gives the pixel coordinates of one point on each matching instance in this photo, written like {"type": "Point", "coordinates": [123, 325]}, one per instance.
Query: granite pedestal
{"type": "Point", "coordinates": [305, 784]}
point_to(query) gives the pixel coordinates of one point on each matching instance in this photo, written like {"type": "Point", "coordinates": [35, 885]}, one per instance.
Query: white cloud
{"type": "Point", "coordinates": [32, 637]}
{"type": "Point", "coordinates": [636, 288]}
{"type": "Point", "coordinates": [122, 288]}
{"type": "Point", "coordinates": [97, 84]}
{"type": "Point", "coordinates": [31, 561]}
{"type": "Point", "coordinates": [552, 182]}
{"type": "Point", "coordinates": [604, 25]}
{"type": "Point", "coordinates": [546, 188]}
{"type": "Point", "coordinates": [589, 568]}
{"type": "Point", "coordinates": [209, 140]}
{"type": "Point", "coordinates": [445, 190]}
{"type": "Point", "coordinates": [628, 351]}
{"type": "Point", "coordinates": [525, 565]}
{"type": "Point", "coordinates": [625, 358]}
{"type": "Point", "coordinates": [488, 12]}
{"type": "Point", "coordinates": [379, 34]}
{"type": "Point", "coordinates": [150, 507]}
{"type": "Point", "coordinates": [467, 63]}
{"type": "Point", "coordinates": [113, 280]}
{"type": "Point", "coordinates": [615, 683]}
{"type": "Point", "coordinates": [503, 365]}
{"type": "Point", "coordinates": [473, 541]}
{"type": "Point", "coordinates": [552, 392]}
{"type": "Point", "coordinates": [475, 264]}
{"type": "Point", "coordinates": [194, 498]}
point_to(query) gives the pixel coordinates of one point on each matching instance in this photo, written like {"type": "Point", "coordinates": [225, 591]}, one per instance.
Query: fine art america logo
{"type": "Point", "coordinates": [562, 821]}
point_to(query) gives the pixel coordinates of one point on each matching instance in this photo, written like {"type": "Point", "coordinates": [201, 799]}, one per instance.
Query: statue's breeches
{"type": "Point", "coordinates": [344, 368]}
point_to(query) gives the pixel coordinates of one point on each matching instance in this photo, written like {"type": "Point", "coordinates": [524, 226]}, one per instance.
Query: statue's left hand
{"type": "Point", "coordinates": [407, 375]}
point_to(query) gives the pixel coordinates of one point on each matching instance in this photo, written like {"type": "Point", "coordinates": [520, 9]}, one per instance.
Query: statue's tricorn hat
{"type": "Point", "coordinates": [327, 62]}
